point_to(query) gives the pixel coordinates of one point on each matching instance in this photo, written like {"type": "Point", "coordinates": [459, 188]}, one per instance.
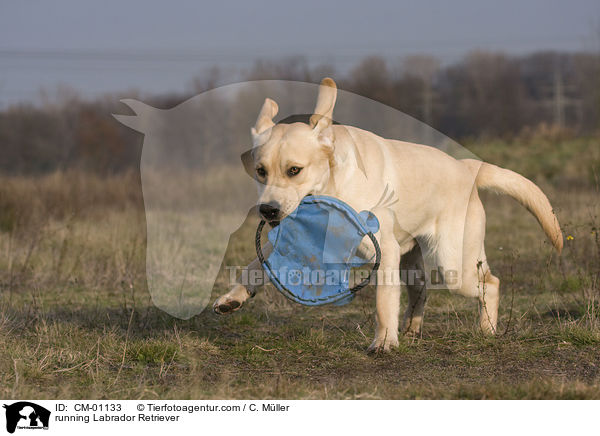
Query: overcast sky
{"type": "Point", "coordinates": [155, 46]}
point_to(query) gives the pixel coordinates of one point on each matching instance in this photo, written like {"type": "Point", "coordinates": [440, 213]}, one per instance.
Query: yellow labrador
{"type": "Point", "coordinates": [434, 221]}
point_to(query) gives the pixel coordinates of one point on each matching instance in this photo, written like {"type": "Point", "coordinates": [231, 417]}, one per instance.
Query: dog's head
{"type": "Point", "coordinates": [291, 161]}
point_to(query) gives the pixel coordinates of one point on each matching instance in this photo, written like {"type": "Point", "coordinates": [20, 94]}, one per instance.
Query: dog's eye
{"type": "Point", "coordinates": [293, 171]}
{"type": "Point", "coordinates": [261, 172]}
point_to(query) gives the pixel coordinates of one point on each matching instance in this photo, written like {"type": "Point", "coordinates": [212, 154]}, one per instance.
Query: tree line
{"type": "Point", "coordinates": [489, 95]}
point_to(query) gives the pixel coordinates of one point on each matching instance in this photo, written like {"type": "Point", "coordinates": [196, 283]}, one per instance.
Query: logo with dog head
{"type": "Point", "coordinates": [26, 415]}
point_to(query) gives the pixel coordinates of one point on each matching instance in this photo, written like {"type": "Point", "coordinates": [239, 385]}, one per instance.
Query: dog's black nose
{"type": "Point", "coordinates": [268, 211]}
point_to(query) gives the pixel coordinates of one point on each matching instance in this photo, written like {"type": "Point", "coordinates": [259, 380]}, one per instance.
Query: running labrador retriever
{"type": "Point", "coordinates": [434, 221]}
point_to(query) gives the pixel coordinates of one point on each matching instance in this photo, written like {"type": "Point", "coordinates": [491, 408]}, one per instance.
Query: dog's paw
{"type": "Point", "coordinates": [224, 307]}
{"type": "Point", "coordinates": [231, 301]}
{"type": "Point", "coordinates": [382, 345]}
{"type": "Point", "coordinates": [412, 327]}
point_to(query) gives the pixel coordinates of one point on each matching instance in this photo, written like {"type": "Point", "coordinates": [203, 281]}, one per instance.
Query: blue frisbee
{"type": "Point", "coordinates": [314, 249]}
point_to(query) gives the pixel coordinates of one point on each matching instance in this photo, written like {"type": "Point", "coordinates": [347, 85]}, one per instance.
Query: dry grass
{"type": "Point", "coordinates": [76, 319]}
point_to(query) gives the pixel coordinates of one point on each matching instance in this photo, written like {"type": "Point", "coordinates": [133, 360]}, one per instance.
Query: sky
{"type": "Point", "coordinates": [159, 46]}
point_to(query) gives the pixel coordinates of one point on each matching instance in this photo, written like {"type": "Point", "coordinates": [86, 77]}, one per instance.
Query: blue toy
{"type": "Point", "coordinates": [314, 248]}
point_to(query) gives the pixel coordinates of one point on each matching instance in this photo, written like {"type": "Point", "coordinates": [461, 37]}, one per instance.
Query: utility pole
{"type": "Point", "coordinates": [427, 102]}
{"type": "Point", "coordinates": [425, 68]}
{"type": "Point", "coordinates": [558, 101]}
{"type": "Point", "coordinates": [559, 98]}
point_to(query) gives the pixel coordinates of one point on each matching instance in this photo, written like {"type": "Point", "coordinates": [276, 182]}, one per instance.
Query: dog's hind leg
{"type": "Point", "coordinates": [489, 299]}
{"type": "Point", "coordinates": [413, 274]}
{"type": "Point", "coordinates": [475, 279]}
{"type": "Point", "coordinates": [479, 282]}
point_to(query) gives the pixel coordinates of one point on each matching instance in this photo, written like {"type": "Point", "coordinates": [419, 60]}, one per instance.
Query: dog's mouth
{"type": "Point", "coordinates": [274, 223]}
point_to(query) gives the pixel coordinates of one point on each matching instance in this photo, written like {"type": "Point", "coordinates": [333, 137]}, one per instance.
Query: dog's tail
{"type": "Point", "coordinates": [500, 180]}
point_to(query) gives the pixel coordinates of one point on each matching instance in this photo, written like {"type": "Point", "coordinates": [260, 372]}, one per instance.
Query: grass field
{"type": "Point", "coordinates": [76, 319]}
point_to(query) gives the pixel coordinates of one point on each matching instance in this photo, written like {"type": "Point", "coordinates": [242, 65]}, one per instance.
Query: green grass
{"type": "Point", "coordinates": [76, 319]}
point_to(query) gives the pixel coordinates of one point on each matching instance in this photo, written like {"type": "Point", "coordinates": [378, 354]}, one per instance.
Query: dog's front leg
{"type": "Point", "coordinates": [248, 282]}
{"type": "Point", "coordinates": [387, 295]}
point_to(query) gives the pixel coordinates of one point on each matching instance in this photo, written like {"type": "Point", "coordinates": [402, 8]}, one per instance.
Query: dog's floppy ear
{"type": "Point", "coordinates": [264, 122]}
{"type": "Point", "coordinates": [323, 115]}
